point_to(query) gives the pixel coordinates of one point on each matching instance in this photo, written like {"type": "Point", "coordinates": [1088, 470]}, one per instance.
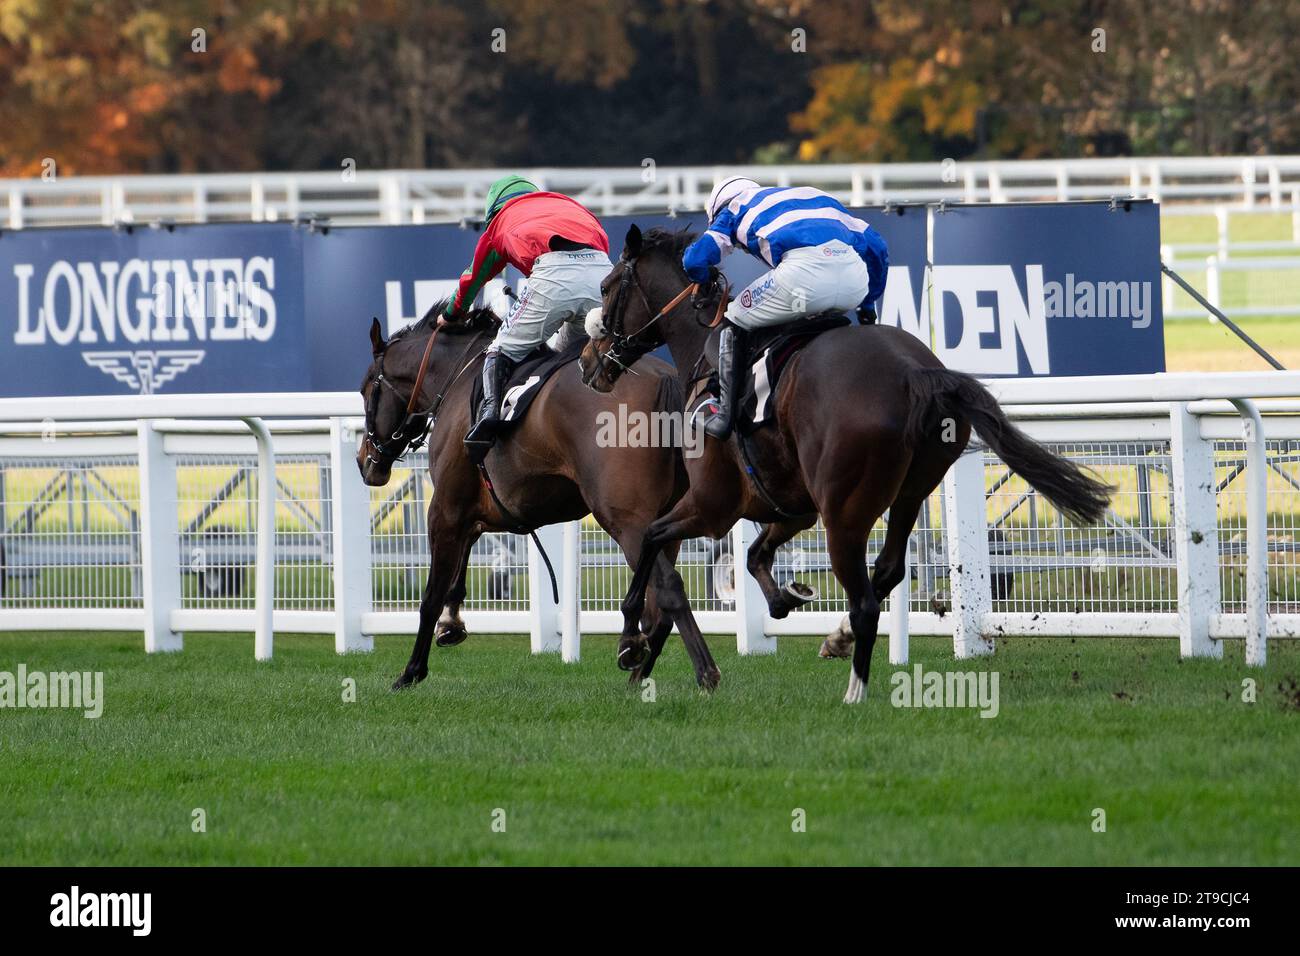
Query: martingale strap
{"type": "Point", "coordinates": [520, 527]}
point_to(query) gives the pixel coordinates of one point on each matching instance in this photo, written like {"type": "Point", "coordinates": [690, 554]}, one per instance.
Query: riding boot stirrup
{"type": "Point", "coordinates": [731, 370]}
{"type": "Point", "coordinates": [487, 418]}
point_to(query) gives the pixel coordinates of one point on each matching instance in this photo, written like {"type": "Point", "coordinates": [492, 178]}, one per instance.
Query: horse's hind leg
{"type": "Point", "coordinates": [929, 464]}
{"type": "Point", "coordinates": [888, 570]}
{"type": "Point", "coordinates": [450, 629]}
{"type": "Point", "coordinates": [780, 601]}
{"type": "Point", "coordinates": [848, 553]}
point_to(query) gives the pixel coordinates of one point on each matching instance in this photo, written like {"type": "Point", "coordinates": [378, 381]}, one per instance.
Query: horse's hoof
{"type": "Point", "coordinates": [794, 594]}
{"type": "Point", "coordinates": [710, 679]}
{"type": "Point", "coordinates": [408, 679]}
{"type": "Point", "coordinates": [799, 593]}
{"type": "Point", "coordinates": [449, 635]}
{"type": "Point", "coordinates": [830, 650]}
{"type": "Point", "coordinates": [632, 655]}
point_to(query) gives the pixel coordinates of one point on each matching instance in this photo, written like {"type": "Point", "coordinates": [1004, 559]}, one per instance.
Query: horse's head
{"type": "Point", "coordinates": [394, 423]}
{"type": "Point", "coordinates": [645, 280]}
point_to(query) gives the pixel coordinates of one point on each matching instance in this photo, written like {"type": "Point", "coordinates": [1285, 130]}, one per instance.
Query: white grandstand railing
{"type": "Point", "coordinates": [414, 196]}
{"type": "Point", "coordinates": [1184, 411]}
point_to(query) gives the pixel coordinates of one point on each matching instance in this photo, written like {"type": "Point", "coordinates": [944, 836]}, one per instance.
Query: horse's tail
{"type": "Point", "coordinates": [939, 393]}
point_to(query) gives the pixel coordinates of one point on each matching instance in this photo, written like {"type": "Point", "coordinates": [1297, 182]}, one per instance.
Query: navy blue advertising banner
{"type": "Point", "coordinates": [197, 309]}
{"type": "Point", "coordinates": [1049, 289]}
{"type": "Point", "coordinates": [904, 230]}
{"type": "Point", "coordinates": [1046, 289]}
{"type": "Point", "coordinates": [393, 273]}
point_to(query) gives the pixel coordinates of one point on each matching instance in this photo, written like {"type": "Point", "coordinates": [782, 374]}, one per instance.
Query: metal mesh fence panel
{"type": "Point", "coordinates": [1042, 562]}
{"type": "Point", "coordinates": [1283, 505]}
{"type": "Point", "coordinates": [70, 538]}
{"type": "Point", "coordinates": [216, 499]}
{"type": "Point", "coordinates": [497, 575]}
{"type": "Point", "coordinates": [70, 532]}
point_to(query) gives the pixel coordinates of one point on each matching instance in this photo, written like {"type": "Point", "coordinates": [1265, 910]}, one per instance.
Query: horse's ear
{"type": "Point", "coordinates": [377, 336]}
{"type": "Point", "coordinates": [632, 244]}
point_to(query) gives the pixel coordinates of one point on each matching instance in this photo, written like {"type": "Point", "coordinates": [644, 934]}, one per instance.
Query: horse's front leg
{"type": "Point", "coordinates": [450, 629]}
{"type": "Point", "coordinates": [686, 519]}
{"type": "Point", "coordinates": [780, 600]}
{"type": "Point", "coordinates": [447, 548]}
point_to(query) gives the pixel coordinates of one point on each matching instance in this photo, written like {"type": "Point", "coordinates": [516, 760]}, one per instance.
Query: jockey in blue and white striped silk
{"type": "Point", "coordinates": [822, 257]}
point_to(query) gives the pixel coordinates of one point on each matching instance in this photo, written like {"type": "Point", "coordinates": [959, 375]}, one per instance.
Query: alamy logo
{"type": "Point", "coordinates": [634, 428]}
{"type": "Point", "coordinates": [147, 371]}
{"type": "Point", "coordinates": [57, 689]}
{"type": "Point", "coordinates": [74, 908]}
{"type": "Point", "coordinates": [922, 688]}
{"type": "Point", "coordinates": [1085, 299]}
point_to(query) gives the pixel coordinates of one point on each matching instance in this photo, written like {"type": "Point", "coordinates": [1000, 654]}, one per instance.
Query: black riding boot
{"type": "Point", "coordinates": [732, 358]}
{"type": "Point", "coordinates": [496, 368]}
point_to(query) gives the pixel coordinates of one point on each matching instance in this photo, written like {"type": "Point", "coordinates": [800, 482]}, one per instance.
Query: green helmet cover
{"type": "Point", "coordinates": [502, 191]}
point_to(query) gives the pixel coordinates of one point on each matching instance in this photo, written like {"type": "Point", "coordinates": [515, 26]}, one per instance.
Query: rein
{"type": "Point", "coordinates": [623, 341]}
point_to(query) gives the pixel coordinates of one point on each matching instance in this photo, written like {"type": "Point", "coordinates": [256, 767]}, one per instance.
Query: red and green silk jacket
{"type": "Point", "coordinates": [521, 231]}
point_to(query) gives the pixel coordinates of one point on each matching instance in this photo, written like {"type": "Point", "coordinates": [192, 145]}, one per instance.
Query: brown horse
{"type": "Point", "coordinates": [549, 469]}
{"type": "Point", "coordinates": [867, 419]}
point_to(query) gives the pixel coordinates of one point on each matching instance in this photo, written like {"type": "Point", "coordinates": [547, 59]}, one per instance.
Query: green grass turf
{"type": "Point", "coordinates": [1198, 345]}
{"type": "Point", "coordinates": [587, 772]}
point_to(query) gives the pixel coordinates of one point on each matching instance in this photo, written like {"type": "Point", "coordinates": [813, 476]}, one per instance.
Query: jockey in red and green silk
{"type": "Point", "coordinates": [562, 250]}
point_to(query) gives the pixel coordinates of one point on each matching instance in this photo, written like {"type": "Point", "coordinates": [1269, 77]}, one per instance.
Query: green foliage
{"type": "Point", "coordinates": [191, 86]}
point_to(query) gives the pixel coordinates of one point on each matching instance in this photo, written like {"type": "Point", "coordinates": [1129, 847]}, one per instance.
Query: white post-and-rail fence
{"type": "Point", "coordinates": [1193, 415]}
{"type": "Point", "coordinates": [396, 196]}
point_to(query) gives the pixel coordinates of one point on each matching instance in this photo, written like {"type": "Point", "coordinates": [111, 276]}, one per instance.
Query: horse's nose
{"type": "Point", "coordinates": [595, 323]}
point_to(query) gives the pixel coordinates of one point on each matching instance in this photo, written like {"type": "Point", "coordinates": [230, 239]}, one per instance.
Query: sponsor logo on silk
{"type": "Point", "coordinates": [752, 296]}
{"type": "Point", "coordinates": [89, 305]}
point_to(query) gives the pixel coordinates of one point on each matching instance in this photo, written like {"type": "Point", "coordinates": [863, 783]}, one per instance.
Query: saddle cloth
{"type": "Point", "coordinates": [525, 382]}
{"type": "Point", "coordinates": [770, 351]}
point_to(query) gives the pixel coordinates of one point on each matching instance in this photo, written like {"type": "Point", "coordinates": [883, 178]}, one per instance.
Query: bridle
{"type": "Point", "coordinates": [626, 349]}
{"type": "Point", "coordinates": [412, 432]}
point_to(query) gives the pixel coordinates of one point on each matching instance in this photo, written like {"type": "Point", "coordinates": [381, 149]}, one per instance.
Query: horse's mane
{"type": "Point", "coordinates": [476, 320]}
{"type": "Point", "coordinates": [671, 241]}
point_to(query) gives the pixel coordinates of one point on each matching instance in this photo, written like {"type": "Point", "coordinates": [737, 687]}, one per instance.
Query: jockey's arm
{"type": "Point", "coordinates": [488, 262]}
{"type": "Point", "coordinates": [875, 253]}
{"type": "Point", "coordinates": [708, 250]}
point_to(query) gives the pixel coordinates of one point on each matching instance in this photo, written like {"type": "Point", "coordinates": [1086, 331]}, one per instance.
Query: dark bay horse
{"type": "Point", "coordinates": [549, 469]}
{"type": "Point", "coordinates": [867, 419]}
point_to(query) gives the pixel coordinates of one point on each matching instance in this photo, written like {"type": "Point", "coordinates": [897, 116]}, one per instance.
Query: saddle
{"type": "Point", "coordinates": [525, 383]}
{"type": "Point", "coordinates": [770, 351]}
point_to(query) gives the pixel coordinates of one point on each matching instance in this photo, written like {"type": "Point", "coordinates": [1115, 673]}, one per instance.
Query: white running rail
{"type": "Point", "coordinates": [415, 196]}
{"type": "Point", "coordinates": [1187, 437]}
